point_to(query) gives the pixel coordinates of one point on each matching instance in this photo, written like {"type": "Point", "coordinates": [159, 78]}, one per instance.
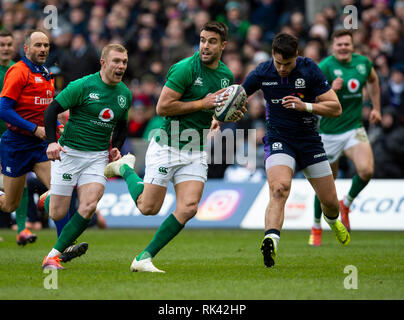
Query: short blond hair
{"type": "Point", "coordinates": [112, 47]}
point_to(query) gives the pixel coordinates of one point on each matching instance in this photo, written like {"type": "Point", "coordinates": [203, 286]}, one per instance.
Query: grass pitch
{"type": "Point", "coordinates": [208, 265]}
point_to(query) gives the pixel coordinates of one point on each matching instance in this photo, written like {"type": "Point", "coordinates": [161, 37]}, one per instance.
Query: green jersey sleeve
{"type": "Point", "coordinates": [71, 95]}
{"type": "Point", "coordinates": [369, 66]}
{"type": "Point", "coordinates": [179, 77]}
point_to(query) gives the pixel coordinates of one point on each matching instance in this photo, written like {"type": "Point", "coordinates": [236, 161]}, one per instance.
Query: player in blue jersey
{"type": "Point", "coordinates": [295, 91]}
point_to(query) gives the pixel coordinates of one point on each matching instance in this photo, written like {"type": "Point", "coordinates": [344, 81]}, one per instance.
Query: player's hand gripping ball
{"type": "Point", "coordinates": [236, 100]}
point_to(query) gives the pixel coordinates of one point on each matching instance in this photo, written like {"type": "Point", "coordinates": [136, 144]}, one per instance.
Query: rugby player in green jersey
{"type": "Point", "coordinates": [98, 105]}
{"type": "Point", "coordinates": [348, 73]}
{"type": "Point", "coordinates": [176, 153]}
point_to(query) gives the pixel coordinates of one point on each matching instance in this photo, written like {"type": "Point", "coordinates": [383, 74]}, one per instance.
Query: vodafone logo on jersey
{"type": "Point", "coordinates": [353, 85]}
{"type": "Point", "coordinates": [106, 115]}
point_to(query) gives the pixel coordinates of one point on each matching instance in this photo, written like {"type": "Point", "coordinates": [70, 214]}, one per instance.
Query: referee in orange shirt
{"type": "Point", "coordinates": [27, 92]}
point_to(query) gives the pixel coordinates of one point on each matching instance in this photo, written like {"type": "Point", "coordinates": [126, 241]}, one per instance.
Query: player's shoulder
{"type": "Point", "coordinates": [265, 68]}
{"type": "Point", "coordinates": [186, 63]}
{"type": "Point", "coordinates": [84, 82]}
{"type": "Point", "coordinates": [305, 63]}
{"type": "Point", "coordinates": [307, 67]}
{"type": "Point", "coordinates": [327, 60]}
{"type": "Point", "coordinates": [224, 68]}
{"type": "Point", "coordinates": [123, 88]}
{"type": "Point", "coordinates": [18, 67]}
{"type": "Point", "coordinates": [358, 58]}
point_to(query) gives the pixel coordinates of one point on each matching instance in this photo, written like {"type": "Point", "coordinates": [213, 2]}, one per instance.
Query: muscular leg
{"type": "Point", "coordinates": [327, 194]}
{"type": "Point", "coordinates": [317, 204]}
{"type": "Point", "coordinates": [13, 188]}
{"type": "Point", "coordinates": [148, 197]}
{"type": "Point", "coordinates": [43, 172]}
{"type": "Point", "coordinates": [89, 194]}
{"type": "Point", "coordinates": [279, 179]}
{"type": "Point", "coordinates": [188, 195]}
{"type": "Point", "coordinates": [151, 199]}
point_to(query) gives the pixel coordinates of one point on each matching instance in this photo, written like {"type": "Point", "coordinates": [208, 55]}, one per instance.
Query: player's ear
{"type": "Point", "coordinates": [224, 43]}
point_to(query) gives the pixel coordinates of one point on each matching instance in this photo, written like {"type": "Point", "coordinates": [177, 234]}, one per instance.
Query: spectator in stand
{"type": "Point", "coordinates": [399, 10]}
{"type": "Point", "coordinates": [141, 59]}
{"type": "Point", "coordinates": [192, 34]}
{"type": "Point", "coordinates": [266, 15]}
{"type": "Point", "coordinates": [83, 56]}
{"type": "Point", "coordinates": [394, 94]}
{"type": "Point", "coordinates": [174, 47]}
{"type": "Point", "coordinates": [299, 28]}
{"type": "Point", "coordinates": [137, 119]}
{"type": "Point", "coordinates": [393, 45]}
{"type": "Point", "coordinates": [235, 21]}
{"type": "Point", "coordinates": [312, 51]}
{"type": "Point", "coordinates": [389, 147]}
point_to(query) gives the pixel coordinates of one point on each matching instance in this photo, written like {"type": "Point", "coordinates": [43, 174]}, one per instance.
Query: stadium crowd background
{"type": "Point", "coordinates": [160, 33]}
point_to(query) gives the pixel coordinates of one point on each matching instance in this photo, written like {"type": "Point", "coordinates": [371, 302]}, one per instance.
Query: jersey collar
{"type": "Point", "coordinates": [36, 68]}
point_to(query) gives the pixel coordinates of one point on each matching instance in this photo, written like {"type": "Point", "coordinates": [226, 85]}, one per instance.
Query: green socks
{"type": "Point", "coordinates": [357, 186]}
{"type": "Point", "coordinates": [135, 184]}
{"type": "Point", "coordinates": [165, 233]}
{"type": "Point", "coordinates": [317, 210]}
{"type": "Point", "coordinates": [71, 231]}
{"type": "Point", "coordinates": [21, 212]}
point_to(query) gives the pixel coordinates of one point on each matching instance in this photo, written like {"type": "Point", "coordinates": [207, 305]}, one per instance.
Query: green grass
{"type": "Point", "coordinates": [208, 264]}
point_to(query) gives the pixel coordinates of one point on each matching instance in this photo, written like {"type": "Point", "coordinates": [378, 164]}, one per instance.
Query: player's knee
{"type": "Point", "coordinates": [10, 207]}
{"type": "Point", "coordinates": [56, 214]}
{"type": "Point", "coordinates": [366, 174]}
{"type": "Point", "coordinates": [330, 204]}
{"type": "Point", "coordinates": [188, 210]}
{"type": "Point", "coordinates": [87, 209]}
{"type": "Point", "coordinates": [280, 190]}
{"type": "Point", "coordinates": [149, 209]}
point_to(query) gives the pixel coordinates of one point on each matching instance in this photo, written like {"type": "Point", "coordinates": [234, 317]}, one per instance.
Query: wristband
{"type": "Point", "coordinates": [36, 127]}
{"type": "Point", "coordinates": [309, 107]}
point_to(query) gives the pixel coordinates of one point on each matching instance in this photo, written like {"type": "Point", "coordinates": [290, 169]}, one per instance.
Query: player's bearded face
{"type": "Point", "coordinates": [210, 47]}
{"type": "Point", "coordinates": [283, 66]}
{"type": "Point", "coordinates": [342, 48]}
{"type": "Point", "coordinates": [38, 48]}
{"type": "Point", "coordinates": [115, 66]}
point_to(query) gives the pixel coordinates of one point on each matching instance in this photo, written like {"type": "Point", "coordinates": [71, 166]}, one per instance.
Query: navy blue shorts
{"type": "Point", "coordinates": [20, 153]}
{"type": "Point", "coordinates": [306, 150]}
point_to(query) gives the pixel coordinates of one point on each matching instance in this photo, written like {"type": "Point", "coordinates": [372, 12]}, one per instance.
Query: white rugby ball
{"type": "Point", "coordinates": [236, 99]}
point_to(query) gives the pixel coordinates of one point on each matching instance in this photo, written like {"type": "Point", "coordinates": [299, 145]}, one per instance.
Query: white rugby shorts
{"type": "Point", "coordinates": [165, 163]}
{"type": "Point", "coordinates": [336, 144]}
{"type": "Point", "coordinates": [77, 168]}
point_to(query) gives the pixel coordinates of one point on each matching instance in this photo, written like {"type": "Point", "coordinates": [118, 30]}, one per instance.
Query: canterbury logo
{"type": "Point", "coordinates": [163, 170]}
{"type": "Point", "coordinates": [67, 176]}
{"type": "Point", "coordinates": [94, 96]}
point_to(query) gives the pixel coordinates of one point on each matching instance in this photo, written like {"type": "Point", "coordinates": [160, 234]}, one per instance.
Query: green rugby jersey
{"type": "Point", "coordinates": [3, 71]}
{"type": "Point", "coordinates": [95, 108]}
{"type": "Point", "coordinates": [194, 81]}
{"type": "Point", "coordinates": [354, 74]}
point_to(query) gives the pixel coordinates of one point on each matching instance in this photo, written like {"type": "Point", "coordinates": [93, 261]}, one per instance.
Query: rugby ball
{"type": "Point", "coordinates": [236, 99]}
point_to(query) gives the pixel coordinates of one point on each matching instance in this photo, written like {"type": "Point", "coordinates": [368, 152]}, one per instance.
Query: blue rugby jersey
{"type": "Point", "coordinates": [305, 81]}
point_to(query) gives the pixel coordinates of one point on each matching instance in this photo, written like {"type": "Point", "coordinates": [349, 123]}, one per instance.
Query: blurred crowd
{"type": "Point", "coordinates": [160, 33]}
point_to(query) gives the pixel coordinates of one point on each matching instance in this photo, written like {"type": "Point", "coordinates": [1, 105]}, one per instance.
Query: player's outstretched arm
{"type": "Point", "coordinates": [169, 103]}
